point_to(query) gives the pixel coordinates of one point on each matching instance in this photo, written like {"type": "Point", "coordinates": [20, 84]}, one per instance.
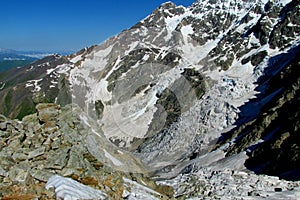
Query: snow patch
{"type": "Point", "coordinates": [49, 71]}
{"type": "Point", "coordinates": [68, 189]}
{"type": "Point", "coordinates": [76, 59]}
{"type": "Point", "coordinates": [172, 23]}
{"type": "Point", "coordinates": [34, 84]}
{"type": "Point", "coordinates": [2, 86]}
{"type": "Point", "coordinates": [112, 159]}
{"type": "Point", "coordinates": [186, 30]}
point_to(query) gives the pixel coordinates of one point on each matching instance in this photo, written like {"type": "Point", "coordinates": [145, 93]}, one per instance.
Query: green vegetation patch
{"type": "Point", "coordinates": [27, 107]}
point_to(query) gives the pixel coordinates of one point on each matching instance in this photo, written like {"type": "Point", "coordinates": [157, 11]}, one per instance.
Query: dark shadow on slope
{"type": "Point", "coordinates": [251, 109]}
{"type": "Point", "coordinates": [273, 116]}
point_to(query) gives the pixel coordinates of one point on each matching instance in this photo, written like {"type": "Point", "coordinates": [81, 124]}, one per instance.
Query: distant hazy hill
{"type": "Point", "coordinates": [11, 58]}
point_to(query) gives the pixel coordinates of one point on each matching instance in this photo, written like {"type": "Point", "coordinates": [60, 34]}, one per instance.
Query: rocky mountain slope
{"type": "Point", "coordinates": [204, 94]}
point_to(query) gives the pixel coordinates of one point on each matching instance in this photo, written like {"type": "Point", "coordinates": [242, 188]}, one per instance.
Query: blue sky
{"type": "Point", "coordinates": [59, 25]}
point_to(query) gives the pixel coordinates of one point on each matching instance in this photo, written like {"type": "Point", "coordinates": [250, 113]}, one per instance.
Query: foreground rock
{"type": "Point", "coordinates": [66, 188]}
{"type": "Point", "coordinates": [51, 146]}
{"type": "Point", "coordinates": [51, 142]}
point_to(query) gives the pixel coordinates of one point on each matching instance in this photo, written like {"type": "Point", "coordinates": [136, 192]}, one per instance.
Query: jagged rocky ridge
{"type": "Point", "coordinates": [218, 76]}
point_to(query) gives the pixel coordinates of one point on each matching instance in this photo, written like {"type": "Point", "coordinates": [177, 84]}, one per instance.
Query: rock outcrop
{"type": "Point", "coordinates": [53, 142]}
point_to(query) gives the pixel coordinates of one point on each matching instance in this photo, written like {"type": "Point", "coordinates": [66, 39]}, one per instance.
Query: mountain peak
{"type": "Point", "coordinates": [168, 4]}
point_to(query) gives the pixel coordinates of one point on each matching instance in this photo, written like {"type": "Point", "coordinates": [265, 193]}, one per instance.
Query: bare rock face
{"type": "Point", "coordinates": [47, 113]}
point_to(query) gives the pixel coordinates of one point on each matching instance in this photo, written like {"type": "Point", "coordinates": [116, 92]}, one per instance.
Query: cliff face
{"type": "Point", "coordinates": [203, 87]}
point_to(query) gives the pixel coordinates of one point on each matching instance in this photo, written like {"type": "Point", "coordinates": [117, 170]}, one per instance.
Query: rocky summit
{"type": "Point", "coordinates": [198, 102]}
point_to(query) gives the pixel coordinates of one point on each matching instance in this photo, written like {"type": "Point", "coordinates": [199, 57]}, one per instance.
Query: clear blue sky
{"type": "Point", "coordinates": [68, 24]}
